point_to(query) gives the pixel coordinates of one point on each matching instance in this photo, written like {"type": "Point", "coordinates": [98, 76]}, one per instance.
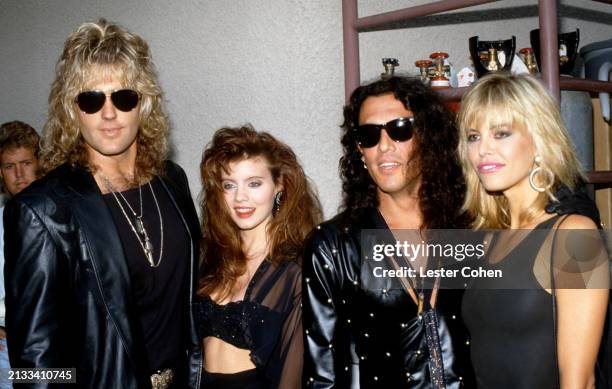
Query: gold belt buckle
{"type": "Point", "coordinates": [162, 379]}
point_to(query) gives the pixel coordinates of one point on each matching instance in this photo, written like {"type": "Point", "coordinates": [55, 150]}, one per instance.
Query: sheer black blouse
{"type": "Point", "coordinates": [268, 322]}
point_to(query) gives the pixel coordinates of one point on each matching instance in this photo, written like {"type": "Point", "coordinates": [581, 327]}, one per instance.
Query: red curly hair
{"type": "Point", "coordinates": [222, 258]}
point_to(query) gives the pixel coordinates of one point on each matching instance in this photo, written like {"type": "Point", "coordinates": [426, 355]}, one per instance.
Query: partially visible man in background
{"type": "Point", "coordinates": [19, 147]}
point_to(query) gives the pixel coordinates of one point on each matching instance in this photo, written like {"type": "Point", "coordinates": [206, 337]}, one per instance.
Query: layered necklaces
{"type": "Point", "coordinates": [136, 222]}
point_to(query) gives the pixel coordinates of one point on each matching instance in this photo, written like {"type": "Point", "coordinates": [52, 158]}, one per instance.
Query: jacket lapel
{"type": "Point", "coordinates": [182, 201]}
{"type": "Point", "coordinates": [176, 185]}
{"type": "Point", "coordinates": [185, 208]}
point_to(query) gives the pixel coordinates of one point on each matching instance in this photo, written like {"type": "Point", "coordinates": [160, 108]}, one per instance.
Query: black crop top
{"type": "Point", "coordinates": [268, 322]}
{"type": "Point", "coordinates": [229, 322]}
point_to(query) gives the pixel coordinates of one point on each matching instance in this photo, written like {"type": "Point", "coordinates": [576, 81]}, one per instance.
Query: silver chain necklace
{"type": "Point", "coordinates": [137, 225]}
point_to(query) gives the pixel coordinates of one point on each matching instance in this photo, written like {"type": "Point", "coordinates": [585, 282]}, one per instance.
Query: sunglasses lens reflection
{"type": "Point", "coordinates": [399, 130]}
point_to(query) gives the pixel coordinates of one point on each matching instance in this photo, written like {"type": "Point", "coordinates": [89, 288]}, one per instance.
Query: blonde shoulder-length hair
{"type": "Point", "coordinates": [94, 52]}
{"type": "Point", "coordinates": [521, 102]}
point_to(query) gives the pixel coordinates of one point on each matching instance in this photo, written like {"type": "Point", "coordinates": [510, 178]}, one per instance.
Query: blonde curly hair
{"type": "Point", "coordinates": [94, 51]}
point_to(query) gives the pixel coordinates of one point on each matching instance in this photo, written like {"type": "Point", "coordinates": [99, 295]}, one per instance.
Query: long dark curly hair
{"type": "Point", "coordinates": [442, 190]}
{"type": "Point", "coordinates": [222, 258]}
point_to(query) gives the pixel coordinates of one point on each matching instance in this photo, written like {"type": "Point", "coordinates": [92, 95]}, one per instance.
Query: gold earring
{"type": "Point", "coordinates": [537, 170]}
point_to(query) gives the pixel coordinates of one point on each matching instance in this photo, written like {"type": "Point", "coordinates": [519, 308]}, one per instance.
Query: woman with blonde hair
{"type": "Point", "coordinates": [257, 208]}
{"type": "Point", "coordinates": [540, 326]}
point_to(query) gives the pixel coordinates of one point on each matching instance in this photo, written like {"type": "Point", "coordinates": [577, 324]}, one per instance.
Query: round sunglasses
{"type": "Point", "coordinates": [92, 101]}
{"type": "Point", "coordinates": [399, 130]}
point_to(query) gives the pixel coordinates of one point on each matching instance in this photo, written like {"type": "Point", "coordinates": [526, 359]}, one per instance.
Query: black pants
{"type": "Point", "coordinates": [248, 379]}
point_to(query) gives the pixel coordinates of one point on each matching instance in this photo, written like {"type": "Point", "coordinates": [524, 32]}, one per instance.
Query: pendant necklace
{"type": "Point", "coordinates": [136, 222]}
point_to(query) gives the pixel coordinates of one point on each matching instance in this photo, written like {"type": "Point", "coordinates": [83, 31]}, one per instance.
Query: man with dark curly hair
{"type": "Point", "coordinates": [400, 171]}
{"type": "Point", "coordinates": [101, 252]}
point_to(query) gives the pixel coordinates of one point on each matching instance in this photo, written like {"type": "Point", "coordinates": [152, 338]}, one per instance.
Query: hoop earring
{"type": "Point", "coordinates": [538, 169]}
{"type": "Point", "coordinates": [277, 201]}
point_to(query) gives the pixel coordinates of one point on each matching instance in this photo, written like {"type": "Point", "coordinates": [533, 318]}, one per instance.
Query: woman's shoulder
{"type": "Point", "coordinates": [577, 222]}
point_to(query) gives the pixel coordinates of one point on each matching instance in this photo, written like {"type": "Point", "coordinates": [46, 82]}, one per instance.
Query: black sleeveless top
{"type": "Point", "coordinates": [512, 331]}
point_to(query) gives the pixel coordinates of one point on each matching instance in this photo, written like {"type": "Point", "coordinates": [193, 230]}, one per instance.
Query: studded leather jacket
{"type": "Point", "coordinates": [357, 335]}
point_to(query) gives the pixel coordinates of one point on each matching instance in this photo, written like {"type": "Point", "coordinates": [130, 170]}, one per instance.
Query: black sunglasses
{"type": "Point", "coordinates": [400, 130]}
{"type": "Point", "coordinates": [92, 101]}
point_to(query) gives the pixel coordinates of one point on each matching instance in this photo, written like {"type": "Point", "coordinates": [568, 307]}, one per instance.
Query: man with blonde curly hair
{"type": "Point", "coordinates": [101, 252]}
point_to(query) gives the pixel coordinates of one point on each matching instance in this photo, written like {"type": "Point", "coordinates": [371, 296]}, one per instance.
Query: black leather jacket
{"type": "Point", "coordinates": [359, 336]}
{"type": "Point", "coordinates": [68, 295]}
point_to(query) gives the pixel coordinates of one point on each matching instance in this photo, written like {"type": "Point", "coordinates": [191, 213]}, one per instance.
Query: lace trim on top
{"type": "Point", "coordinates": [230, 322]}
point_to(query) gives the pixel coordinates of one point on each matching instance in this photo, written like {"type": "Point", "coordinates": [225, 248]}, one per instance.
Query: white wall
{"type": "Point", "coordinates": [275, 63]}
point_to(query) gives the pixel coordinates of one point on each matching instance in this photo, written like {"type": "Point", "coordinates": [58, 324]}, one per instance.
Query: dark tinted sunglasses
{"type": "Point", "coordinates": [400, 130]}
{"type": "Point", "coordinates": [92, 101]}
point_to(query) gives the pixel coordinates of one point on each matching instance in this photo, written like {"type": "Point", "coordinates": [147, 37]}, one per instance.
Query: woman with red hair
{"type": "Point", "coordinates": [257, 208]}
